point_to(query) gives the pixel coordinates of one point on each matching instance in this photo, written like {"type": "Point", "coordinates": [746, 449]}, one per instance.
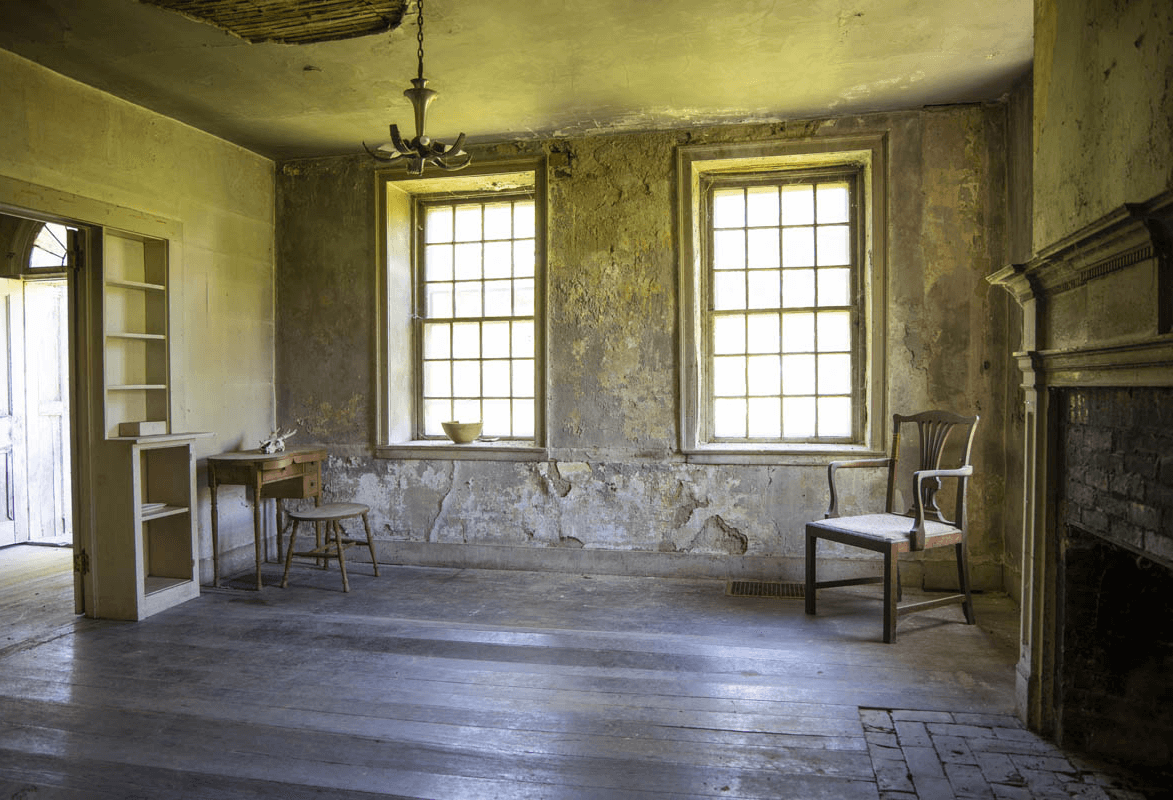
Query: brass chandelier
{"type": "Point", "coordinates": [421, 150]}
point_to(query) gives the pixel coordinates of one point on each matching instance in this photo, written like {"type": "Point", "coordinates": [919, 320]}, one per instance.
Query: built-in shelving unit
{"type": "Point", "coordinates": [135, 331]}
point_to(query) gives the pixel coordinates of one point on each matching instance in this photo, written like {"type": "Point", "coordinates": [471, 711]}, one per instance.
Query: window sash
{"type": "Point", "coordinates": [475, 280]}
{"type": "Point", "coordinates": [765, 281]}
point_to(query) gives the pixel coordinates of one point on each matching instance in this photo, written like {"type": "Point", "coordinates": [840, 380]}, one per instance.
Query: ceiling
{"type": "Point", "coordinates": [509, 69]}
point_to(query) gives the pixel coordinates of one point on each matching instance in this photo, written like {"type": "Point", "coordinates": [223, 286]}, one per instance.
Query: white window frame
{"type": "Point", "coordinates": [398, 373]}
{"type": "Point", "coordinates": [696, 166]}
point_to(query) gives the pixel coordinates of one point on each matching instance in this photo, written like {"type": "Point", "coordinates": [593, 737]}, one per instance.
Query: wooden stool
{"type": "Point", "coordinates": [336, 541]}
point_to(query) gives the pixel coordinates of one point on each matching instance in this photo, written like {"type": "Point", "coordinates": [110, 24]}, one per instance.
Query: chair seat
{"type": "Point", "coordinates": [328, 511]}
{"type": "Point", "coordinates": [882, 527]}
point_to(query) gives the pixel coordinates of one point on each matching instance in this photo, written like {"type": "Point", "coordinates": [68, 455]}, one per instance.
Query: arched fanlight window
{"type": "Point", "coordinates": [50, 250]}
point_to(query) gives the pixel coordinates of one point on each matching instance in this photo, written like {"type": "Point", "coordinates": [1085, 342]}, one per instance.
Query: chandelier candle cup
{"type": "Point", "coordinates": [462, 432]}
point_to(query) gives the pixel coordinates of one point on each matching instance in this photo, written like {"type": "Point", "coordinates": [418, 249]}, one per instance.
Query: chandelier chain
{"type": "Point", "coordinates": [419, 35]}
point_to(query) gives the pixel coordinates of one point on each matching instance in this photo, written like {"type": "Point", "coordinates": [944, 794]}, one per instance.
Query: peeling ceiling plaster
{"type": "Point", "coordinates": [508, 69]}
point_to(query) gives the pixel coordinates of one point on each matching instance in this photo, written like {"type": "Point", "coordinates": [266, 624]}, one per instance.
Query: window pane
{"type": "Point", "coordinates": [523, 297]}
{"type": "Point", "coordinates": [468, 299]}
{"type": "Point", "coordinates": [833, 248]}
{"type": "Point", "coordinates": [435, 412]}
{"type": "Point", "coordinates": [523, 339]}
{"type": "Point", "coordinates": [762, 248]}
{"type": "Point", "coordinates": [728, 208]}
{"type": "Point", "coordinates": [497, 420]}
{"type": "Point", "coordinates": [499, 221]}
{"type": "Point", "coordinates": [798, 205]}
{"type": "Point", "coordinates": [729, 376]}
{"type": "Point", "coordinates": [762, 333]}
{"type": "Point", "coordinates": [729, 249]}
{"type": "Point", "coordinates": [765, 419]}
{"type": "Point", "coordinates": [798, 288]}
{"type": "Point", "coordinates": [835, 374]}
{"type": "Point", "coordinates": [761, 206]}
{"type": "Point", "coordinates": [729, 418]}
{"type": "Point", "coordinates": [467, 262]}
{"type": "Point", "coordinates": [498, 298]}
{"type": "Point", "coordinates": [798, 247]}
{"type": "Point", "coordinates": [436, 340]}
{"type": "Point", "coordinates": [466, 340]}
{"type": "Point", "coordinates": [495, 379]}
{"type": "Point", "coordinates": [765, 288]}
{"type": "Point", "coordinates": [466, 381]}
{"type": "Point", "coordinates": [798, 417]}
{"type": "Point", "coordinates": [495, 338]}
{"type": "Point", "coordinates": [439, 300]}
{"type": "Point", "coordinates": [468, 223]}
{"type": "Point", "coordinates": [729, 334]}
{"type": "Point", "coordinates": [438, 224]}
{"type": "Point", "coordinates": [437, 379]}
{"type": "Point", "coordinates": [728, 291]}
{"type": "Point", "coordinates": [523, 219]}
{"type": "Point", "coordinates": [798, 332]}
{"type": "Point", "coordinates": [523, 378]}
{"type": "Point", "coordinates": [832, 200]}
{"type": "Point", "coordinates": [523, 258]}
{"type": "Point", "coordinates": [834, 287]}
{"type": "Point", "coordinates": [764, 375]}
{"type": "Point", "coordinates": [438, 262]}
{"type": "Point", "coordinates": [834, 331]}
{"type": "Point", "coordinates": [834, 416]}
{"type": "Point", "coordinates": [523, 417]}
{"type": "Point", "coordinates": [498, 259]}
{"type": "Point", "coordinates": [798, 374]}
{"type": "Point", "coordinates": [466, 411]}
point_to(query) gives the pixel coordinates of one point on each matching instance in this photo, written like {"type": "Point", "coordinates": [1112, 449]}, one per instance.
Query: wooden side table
{"type": "Point", "coordinates": [291, 474]}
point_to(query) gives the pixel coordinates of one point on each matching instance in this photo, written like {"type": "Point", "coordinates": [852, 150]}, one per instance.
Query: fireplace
{"type": "Point", "coordinates": [1095, 668]}
{"type": "Point", "coordinates": [1114, 669]}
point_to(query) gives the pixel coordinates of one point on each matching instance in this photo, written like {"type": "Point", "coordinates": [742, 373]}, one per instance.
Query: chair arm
{"type": "Point", "coordinates": [917, 534]}
{"type": "Point", "coordinates": [833, 507]}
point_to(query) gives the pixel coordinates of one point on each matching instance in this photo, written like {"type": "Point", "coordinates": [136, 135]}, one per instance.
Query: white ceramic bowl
{"type": "Point", "coordinates": [462, 432]}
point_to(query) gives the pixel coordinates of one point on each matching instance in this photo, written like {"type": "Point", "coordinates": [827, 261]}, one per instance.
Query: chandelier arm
{"type": "Point", "coordinates": [456, 147]}
{"type": "Point", "coordinates": [375, 154]}
{"type": "Point", "coordinates": [444, 165]}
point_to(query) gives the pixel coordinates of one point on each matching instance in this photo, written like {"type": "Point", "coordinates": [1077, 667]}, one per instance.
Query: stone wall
{"type": "Point", "coordinates": [616, 494]}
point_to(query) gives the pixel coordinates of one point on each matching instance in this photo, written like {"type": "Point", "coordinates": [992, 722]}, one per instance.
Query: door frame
{"type": "Point", "coordinates": [86, 392]}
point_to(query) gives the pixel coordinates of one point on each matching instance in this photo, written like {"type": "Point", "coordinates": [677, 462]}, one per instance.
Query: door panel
{"type": "Point", "coordinates": [13, 505]}
{"type": "Point", "coordinates": [47, 410]}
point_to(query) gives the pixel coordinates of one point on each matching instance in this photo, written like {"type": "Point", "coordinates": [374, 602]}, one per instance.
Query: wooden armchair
{"type": "Point", "coordinates": [893, 532]}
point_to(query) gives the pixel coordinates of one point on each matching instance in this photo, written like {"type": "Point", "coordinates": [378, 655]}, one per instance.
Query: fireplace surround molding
{"type": "Point", "coordinates": [1097, 311]}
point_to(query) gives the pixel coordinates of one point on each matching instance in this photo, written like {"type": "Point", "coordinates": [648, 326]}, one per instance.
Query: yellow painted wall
{"type": "Point", "coordinates": [69, 149]}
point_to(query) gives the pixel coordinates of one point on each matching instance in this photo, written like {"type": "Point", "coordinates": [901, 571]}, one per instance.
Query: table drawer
{"type": "Point", "coordinates": [296, 486]}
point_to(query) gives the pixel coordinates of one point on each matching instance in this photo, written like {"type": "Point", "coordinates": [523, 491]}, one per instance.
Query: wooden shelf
{"type": "Point", "coordinates": [161, 337]}
{"type": "Point", "coordinates": [153, 584]}
{"type": "Point", "coordinates": [151, 287]}
{"type": "Point", "coordinates": [165, 511]}
{"type": "Point", "coordinates": [135, 387]}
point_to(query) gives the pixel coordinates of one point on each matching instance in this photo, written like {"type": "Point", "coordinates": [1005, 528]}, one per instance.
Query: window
{"type": "Point", "coordinates": [461, 308]}
{"type": "Point", "coordinates": [782, 290]}
{"type": "Point", "coordinates": [782, 315]}
{"type": "Point", "coordinates": [476, 315]}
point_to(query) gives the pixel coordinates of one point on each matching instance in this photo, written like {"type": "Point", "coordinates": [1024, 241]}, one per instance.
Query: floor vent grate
{"type": "Point", "coordinates": [764, 589]}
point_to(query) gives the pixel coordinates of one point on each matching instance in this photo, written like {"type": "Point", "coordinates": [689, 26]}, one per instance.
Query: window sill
{"type": "Point", "coordinates": [784, 454]}
{"type": "Point", "coordinates": [473, 451]}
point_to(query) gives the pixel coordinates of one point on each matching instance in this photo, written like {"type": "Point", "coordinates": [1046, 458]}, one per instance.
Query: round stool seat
{"type": "Point", "coordinates": [329, 511]}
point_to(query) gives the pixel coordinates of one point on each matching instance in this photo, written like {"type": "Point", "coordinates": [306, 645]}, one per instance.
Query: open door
{"type": "Point", "coordinates": [13, 505]}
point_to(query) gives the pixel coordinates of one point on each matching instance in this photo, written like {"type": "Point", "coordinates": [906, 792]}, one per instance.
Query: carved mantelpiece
{"type": "Point", "coordinates": [1097, 311]}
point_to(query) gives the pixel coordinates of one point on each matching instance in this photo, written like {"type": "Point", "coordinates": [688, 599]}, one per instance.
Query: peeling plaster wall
{"type": "Point", "coordinates": [1103, 109]}
{"type": "Point", "coordinates": [83, 149]}
{"type": "Point", "coordinates": [616, 495]}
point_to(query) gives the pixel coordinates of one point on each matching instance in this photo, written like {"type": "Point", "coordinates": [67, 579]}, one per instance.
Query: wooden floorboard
{"type": "Point", "coordinates": [436, 683]}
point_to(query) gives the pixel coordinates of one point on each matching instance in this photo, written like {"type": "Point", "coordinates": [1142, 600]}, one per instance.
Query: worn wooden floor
{"type": "Point", "coordinates": [439, 683]}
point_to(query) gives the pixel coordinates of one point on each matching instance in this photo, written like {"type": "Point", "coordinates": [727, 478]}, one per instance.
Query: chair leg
{"type": "Point", "coordinates": [289, 553]}
{"type": "Point", "coordinates": [341, 554]}
{"type": "Point", "coordinates": [890, 569]}
{"type": "Point", "coordinates": [899, 583]}
{"type": "Point", "coordinates": [963, 582]}
{"type": "Point", "coordinates": [811, 546]}
{"type": "Point", "coordinates": [370, 544]}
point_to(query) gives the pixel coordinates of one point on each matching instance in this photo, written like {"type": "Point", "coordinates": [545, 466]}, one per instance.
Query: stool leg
{"type": "Point", "coordinates": [370, 544]}
{"type": "Point", "coordinates": [341, 555]}
{"type": "Point", "coordinates": [289, 553]}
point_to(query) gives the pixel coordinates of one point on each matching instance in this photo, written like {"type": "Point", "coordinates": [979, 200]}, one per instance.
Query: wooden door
{"type": "Point", "coordinates": [47, 410]}
{"type": "Point", "coordinates": [13, 503]}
